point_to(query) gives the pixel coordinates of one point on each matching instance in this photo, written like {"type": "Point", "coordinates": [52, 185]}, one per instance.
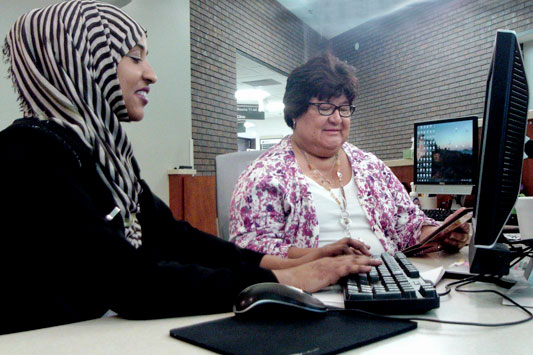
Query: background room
{"type": "Point", "coordinates": [416, 61]}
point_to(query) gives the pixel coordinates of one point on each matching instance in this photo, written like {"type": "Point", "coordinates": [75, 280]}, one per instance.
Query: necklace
{"type": "Point", "coordinates": [324, 181]}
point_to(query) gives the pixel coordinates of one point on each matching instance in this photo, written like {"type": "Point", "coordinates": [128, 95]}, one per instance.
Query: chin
{"type": "Point", "coordinates": [136, 116]}
{"type": "Point", "coordinates": [334, 144]}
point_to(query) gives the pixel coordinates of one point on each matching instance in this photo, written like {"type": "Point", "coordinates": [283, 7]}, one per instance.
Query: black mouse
{"type": "Point", "coordinates": [271, 299]}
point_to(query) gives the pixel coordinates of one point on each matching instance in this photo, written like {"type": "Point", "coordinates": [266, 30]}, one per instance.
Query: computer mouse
{"type": "Point", "coordinates": [270, 299]}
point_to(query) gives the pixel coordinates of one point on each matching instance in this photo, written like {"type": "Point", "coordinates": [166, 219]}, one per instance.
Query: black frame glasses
{"type": "Point", "coordinates": [327, 109]}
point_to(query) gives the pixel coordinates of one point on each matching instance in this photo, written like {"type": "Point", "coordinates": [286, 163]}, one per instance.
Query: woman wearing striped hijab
{"type": "Point", "coordinates": [81, 232]}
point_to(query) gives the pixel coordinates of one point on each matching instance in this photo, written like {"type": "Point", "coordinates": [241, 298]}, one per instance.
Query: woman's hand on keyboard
{"type": "Point", "coordinates": [345, 246]}
{"type": "Point", "coordinates": [316, 275]}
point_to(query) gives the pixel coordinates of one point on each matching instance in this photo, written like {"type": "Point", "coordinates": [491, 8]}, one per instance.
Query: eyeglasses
{"type": "Point", "coordinates": [326, 109]}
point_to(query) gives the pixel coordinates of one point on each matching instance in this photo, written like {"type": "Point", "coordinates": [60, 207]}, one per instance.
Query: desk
{"type": "Point", "coordinates": [113, 335]}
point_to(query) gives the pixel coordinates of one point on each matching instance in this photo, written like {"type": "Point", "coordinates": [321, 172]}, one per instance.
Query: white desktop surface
{"type": "Point", "coordinates": [112, 335]}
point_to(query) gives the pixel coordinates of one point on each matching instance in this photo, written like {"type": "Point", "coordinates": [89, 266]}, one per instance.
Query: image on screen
{"type": "Point", "coordinates": [445, 152]}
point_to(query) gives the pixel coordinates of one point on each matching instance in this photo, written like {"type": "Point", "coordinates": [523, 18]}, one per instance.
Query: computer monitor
{"type": "Point", "coordinates": [501, 158]}
{"type": "Point", "coordinates": [446, 156]}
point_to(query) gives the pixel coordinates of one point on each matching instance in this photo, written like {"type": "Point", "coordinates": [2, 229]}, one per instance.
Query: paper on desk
{"type": "Point", "coordinates": [433, 275]}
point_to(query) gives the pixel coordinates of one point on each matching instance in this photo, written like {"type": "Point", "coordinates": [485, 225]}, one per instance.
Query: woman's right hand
{"type": "Point", "coordinates": [317, 274]}
{"type": "Point", "coordinates": [345, 246]}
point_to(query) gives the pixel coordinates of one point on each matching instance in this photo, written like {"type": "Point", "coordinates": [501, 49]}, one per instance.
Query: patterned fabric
{"type": "Point", "coordinates": [272, 206]}
{"type": "Point", "coordinates": [63, 63]}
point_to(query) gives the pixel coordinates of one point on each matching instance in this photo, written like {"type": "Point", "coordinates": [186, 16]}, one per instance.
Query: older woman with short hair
{"type": "Point", "coordinates": [314, 190]}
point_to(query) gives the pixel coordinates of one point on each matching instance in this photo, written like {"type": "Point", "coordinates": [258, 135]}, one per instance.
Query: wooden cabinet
{"type": "Point", "coordinates": [402, 168]}
{"type": "Point", "coordinates": [193, 199]}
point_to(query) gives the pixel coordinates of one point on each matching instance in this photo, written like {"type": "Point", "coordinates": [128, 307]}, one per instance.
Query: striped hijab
{"type": "Point", "coordinates": [63, 63]}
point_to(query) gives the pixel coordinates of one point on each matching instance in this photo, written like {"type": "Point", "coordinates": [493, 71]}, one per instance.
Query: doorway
{"type": "Point", "coordinates": [259, 95]}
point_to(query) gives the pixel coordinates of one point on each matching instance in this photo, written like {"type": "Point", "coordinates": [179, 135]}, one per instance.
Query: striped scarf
{"type": "Point", "coordinates": [63, 62]}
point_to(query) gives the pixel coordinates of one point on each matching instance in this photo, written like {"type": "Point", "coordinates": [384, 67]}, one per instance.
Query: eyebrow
{"type": "Point", "coordinates": [142, 47]}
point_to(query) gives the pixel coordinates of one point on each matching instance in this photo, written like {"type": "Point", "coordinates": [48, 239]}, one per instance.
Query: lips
{"type": "Point", "coordinates": [142, 94]}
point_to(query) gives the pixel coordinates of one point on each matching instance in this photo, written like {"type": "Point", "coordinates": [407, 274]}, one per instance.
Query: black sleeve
{"type": "Point", "coordinates": [171, 239]}
{"type": "Point", "coordinates": [62, 261]}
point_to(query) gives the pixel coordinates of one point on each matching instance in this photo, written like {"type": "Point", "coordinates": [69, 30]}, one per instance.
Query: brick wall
{"type": "Point", "coordinates": [429, 61]}
{"type": "Point", "coordinates": [263, 29]}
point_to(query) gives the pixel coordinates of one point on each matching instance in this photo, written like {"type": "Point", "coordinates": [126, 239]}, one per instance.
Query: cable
{"type": "Point", "coordinates": [467, 282]}
{"type": "Point", "coordinates": [447, 286]}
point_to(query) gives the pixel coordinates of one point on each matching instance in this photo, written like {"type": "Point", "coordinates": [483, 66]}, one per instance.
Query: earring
{"type": "Point", "coordinates": [293, 123]}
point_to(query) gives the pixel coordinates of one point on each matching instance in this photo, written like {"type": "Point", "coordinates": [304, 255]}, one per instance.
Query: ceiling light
{"type": "Point", "coordinates": [251, 94]}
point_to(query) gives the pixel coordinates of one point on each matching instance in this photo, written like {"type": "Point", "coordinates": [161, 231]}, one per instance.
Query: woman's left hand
{"type": "Point", "coordinates": [450, 242]}
{"type": "Point", "coordinates": [454, 240]}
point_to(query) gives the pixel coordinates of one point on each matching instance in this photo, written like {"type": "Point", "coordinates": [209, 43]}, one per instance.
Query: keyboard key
{"type": "Point", "coordinates": [406, 265]}
{"type": "Point", "coordinates": [427, 291]}
{"type": "Point", "coordinates": [394, 287]}
{"type": "Point", "coordinates": [438, 214]}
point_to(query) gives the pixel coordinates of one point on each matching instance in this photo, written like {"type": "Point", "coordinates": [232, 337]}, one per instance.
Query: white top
{"type": "Point", "coordinates": [328, 213]}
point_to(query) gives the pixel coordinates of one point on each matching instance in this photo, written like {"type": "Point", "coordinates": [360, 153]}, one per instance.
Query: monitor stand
{"type": "Point", "coordinates": [458, 201]}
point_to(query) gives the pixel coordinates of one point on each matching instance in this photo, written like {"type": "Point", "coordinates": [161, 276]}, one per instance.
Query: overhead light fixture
{"type": "Point", "coordinates": [251, 94]}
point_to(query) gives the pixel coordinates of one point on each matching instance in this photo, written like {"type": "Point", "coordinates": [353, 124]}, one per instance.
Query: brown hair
{"type": "Point", "coordinates": [324, 77]}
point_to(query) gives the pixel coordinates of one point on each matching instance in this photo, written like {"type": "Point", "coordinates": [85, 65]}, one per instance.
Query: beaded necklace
{"type": "Point", "coordinates": [324, 181]}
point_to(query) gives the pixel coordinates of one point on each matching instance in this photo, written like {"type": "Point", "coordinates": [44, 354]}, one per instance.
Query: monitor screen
{"type": "Point", "coordinates": [501, 158]}
{"type": "Point", "coordinates": [446, 156]}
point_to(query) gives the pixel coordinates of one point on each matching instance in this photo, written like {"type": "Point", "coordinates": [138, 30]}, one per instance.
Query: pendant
{"type": "Point", "coordinates": [345, 218]}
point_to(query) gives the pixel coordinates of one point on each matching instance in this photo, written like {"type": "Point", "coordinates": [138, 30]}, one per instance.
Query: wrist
{"type": "Point", "coordinates": [294, 252]}
{"type": "Point", "coordinates": [272, 262]}
{"type": "Point", "coordinates": [284, 277]}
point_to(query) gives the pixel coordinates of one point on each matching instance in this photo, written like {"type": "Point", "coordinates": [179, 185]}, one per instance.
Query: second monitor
{"type": "Point", "coordinates": [446, 153]}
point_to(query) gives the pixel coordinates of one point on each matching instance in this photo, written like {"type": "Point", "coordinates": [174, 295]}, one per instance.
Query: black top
{"type": "Point", "coordinates": [61, 261]}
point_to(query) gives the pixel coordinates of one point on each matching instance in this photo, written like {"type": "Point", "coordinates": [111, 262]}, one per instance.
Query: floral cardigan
{"type": "Point", "coordinates": [272, 207]}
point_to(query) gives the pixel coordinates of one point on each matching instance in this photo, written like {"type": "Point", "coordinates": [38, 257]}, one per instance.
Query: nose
{"type": "Point", "coordinates": [149, 73]}
{"type": "Point", "coordinates": [335, 116]}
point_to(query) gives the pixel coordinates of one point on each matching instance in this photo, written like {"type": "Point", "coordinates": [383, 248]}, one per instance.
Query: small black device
{"type": "Point", "coordinates": [270, 299]}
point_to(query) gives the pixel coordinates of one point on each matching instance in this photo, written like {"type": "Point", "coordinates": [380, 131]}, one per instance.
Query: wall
{"type": "Point", "coordinates": [161, 141]}
{"type": "Point", "coordinates": [262, 29]}
{"type": "Point", "coordinates": [429, 61]}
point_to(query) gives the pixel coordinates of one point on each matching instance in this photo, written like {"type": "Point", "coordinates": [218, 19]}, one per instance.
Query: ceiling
{"type": "Point", "coordinates": [333, 17]}
{"type": "Point", "coordinates": [329, 18]}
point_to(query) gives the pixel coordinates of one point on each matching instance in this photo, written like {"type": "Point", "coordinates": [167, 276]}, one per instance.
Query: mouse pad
{"type": "Point", "coordinates": [332, 333]}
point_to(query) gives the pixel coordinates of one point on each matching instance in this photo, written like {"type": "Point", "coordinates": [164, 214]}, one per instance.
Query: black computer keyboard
{"type": "Point", "coordinates": [438, 214]}
{"type": "Point", "coordinates": [394, 287]}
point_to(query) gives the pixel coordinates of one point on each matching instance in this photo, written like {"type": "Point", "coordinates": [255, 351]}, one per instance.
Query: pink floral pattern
{"type": "Point", "coordinates": [272, 208]}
